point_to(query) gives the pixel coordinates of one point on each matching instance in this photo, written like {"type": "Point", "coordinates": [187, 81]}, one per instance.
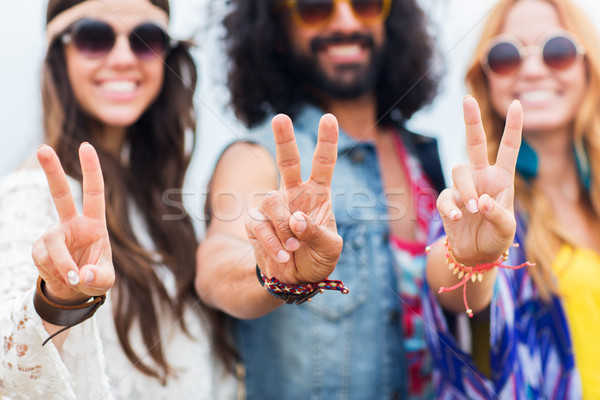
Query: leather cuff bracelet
{"type": "Point", "coordinates": [297, 294]}
{"type": "Point", "coordinates": [60, 314]}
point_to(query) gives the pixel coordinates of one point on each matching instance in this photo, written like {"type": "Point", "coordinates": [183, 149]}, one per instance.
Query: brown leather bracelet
{"type": "Point", "coordinates": [60, 314]}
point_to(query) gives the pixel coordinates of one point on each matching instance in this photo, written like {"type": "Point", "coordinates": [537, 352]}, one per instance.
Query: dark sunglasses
{"type": "Point", "coordinates": [96, 39]}
{"type": "Point", "coordinates": [505, 54]}
{"type": "Point", "coordinates": [315, 12]}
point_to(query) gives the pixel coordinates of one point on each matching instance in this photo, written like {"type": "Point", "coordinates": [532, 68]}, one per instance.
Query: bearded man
{"type": "Point", "coordinates": [366, 62]}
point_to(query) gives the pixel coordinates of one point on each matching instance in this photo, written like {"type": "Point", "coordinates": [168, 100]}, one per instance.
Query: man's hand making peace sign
{"type": "Point", "coordinates": [293, 232]}
{"type": "Point", "coordinates": [478, 210]}
{"type": "Point", "coordinates": [287, 228]}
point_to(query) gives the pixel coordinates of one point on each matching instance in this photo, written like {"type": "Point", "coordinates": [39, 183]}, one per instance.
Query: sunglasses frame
{"type": "Point", "coordinates": [386, 6]}
{"type": "Point", "coordinates": [525, 51]}
{"type": "Point", "coordinates": [69, 37]}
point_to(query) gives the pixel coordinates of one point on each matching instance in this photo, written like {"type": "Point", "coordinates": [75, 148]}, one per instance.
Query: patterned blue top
{"type": "Point", "coordinates": [531, 355]}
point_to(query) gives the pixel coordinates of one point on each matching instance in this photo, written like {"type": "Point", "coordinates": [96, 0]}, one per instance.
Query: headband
{"type": "Point", "coordinates": [91, 8]}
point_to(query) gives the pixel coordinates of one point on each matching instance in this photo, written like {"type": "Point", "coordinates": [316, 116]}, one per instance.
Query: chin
{"type": "Point", "coordinates": [541, 125]}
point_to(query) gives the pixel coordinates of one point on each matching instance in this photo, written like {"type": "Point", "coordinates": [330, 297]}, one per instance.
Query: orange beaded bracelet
{"type": "Point", "coordinates": [474, 273]}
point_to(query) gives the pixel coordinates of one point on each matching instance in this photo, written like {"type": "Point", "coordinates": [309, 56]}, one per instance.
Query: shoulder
{"type": "Point", "coordinates": [26, 188]}
{"type": "Point", "coordinates": [22, 180]}
{"type": "Point", "coordinates": [245, 164]}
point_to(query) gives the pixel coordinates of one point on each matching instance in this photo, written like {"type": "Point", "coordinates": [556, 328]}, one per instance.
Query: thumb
{"type": "Point", "coordinates": [316, 236]}
{"type": "Point", "coordinates": [501, 219]}
{"type": "Point", "coordinates": [96, 280]}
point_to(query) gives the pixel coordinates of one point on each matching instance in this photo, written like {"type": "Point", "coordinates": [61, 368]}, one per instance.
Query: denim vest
{"type": "Point", "coordinates": [338, 346]}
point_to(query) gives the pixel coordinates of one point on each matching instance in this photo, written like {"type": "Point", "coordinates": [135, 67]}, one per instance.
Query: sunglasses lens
{"type": "Point", "coordinates": [559, 52]}
{"type": "Point", "coordinates": [148, 40]}
{"type": "Point", "coordinates": [503, 58]}
{"type": "Point", "coordinates": [314, 11]}
{"type": "Point", "coordinates": [93, 38]}
{"type": "Point", "coordinates": [368, 8]}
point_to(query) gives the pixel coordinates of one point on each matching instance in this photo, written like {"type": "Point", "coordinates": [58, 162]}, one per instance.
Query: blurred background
{"type": "Point", "coordinates": [455, 23]}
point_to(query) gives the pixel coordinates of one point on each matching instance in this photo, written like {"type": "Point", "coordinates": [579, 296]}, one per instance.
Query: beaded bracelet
{"type": "Point", "coordinates": [297, 294]}
{"type": "Point", "coordinates": [474, 273]}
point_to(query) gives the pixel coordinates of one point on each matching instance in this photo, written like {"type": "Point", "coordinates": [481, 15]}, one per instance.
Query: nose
{"type": "Point", "coordinates": [343, 18]}
{"type": "Point", "coordinates": [121, 55]}
{"type": "Point", "coordinates": [533, 66]}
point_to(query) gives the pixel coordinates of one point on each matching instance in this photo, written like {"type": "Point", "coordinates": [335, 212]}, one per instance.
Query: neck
{"type": "Point", "coordinates": [358, 116]}
{"type": "Point", "coordinates": [111, 138]}
{"type": "Point", "coordinates": [556, 162]}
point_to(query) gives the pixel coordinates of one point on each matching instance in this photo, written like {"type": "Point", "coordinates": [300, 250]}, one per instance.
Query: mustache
{"type": "Point", "coordinates": [320, 42]}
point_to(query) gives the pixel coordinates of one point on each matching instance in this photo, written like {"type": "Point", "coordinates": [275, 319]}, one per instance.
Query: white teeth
{"type": "Point", "coordinates": [119, 86]}
{"type": "Point", "coordinates": [538, 95]}
{"type": "Point", "coordinates": [344, 50]}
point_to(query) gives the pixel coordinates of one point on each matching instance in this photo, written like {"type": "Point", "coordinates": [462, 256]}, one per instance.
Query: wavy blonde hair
{"type": "Point", "coordinates": [545, 235]}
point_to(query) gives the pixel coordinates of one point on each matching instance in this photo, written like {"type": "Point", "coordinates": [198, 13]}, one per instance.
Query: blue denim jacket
{"type": "Point", "coordinates": [337, 346]}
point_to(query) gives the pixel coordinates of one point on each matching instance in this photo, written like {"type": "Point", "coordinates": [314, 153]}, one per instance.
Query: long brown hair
{"type": "Point", "coordinates": [544, 234]}
{"type": "Point", "coordinates": [157, 162]}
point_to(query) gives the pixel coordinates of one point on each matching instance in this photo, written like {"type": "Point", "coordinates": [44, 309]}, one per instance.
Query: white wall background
{"type": "Point", "coordinates": [458, 23]}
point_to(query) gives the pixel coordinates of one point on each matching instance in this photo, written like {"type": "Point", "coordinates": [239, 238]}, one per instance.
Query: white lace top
{"type": "Point", "coordinates": [91, 363]}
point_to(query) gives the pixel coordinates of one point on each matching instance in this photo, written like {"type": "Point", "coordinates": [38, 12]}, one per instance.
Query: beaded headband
{"type": "Point", "coordinates": [93, 8]}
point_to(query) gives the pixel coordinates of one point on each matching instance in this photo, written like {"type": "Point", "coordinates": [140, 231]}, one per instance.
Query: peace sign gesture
{"type": "Point", "coordinates": [74, 257]}
{"type": "Point", "coordinates": [293, 232]}
{"type": "Point", "coordinates": [477, 211]}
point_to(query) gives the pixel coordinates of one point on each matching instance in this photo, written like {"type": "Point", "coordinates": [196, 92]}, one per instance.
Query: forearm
{"type": "Point", "coordinates": [226, 278]}
{"type": "Point", "coordinates": [438, 274]}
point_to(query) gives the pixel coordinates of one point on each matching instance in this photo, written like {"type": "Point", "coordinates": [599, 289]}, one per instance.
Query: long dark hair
{"type": "Point", "coordinates": [157, 162]}
{"type": "Point", "coordinates": [259, 76]}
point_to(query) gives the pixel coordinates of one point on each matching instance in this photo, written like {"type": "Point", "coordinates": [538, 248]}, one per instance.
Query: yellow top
{"type": "Point", "coordinates": [578, 273]}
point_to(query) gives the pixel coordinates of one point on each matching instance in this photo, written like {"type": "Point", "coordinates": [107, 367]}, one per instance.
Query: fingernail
{"type": "Point", "coordinates": [256, 215]}
{"type": "Point", "coordinates": [89, 277]}
{"type": "Point", "coordinates": [292, 244]}
{"type": "Point", "coordinates": [283, 256]}
{"type": "Point", "coordinates": [488, 206]}
{"type": "Point", "coordinates": [454, 214]}
{"type": "Point", "coordinates": [472, 205]}
{"type": "Point", "coordinates": [73, 277]}
{"type": "Point", "coordinates": [301, 222]}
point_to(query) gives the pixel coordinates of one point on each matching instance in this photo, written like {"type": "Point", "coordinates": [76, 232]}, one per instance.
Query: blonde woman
{"type": "Point", "coordinates": [534, 328]}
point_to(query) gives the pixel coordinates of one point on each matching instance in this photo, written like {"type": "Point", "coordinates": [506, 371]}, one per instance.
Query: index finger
{"type": "Point", "coordinates": [325, 154]}
{"type": "Point", "coordinates": [93, 183]}
{"type": "Point", "coordinates": [508, 152]}
{"type": "Point", "coordinates": [476, 143]}
{"type": "Point", "coordinates": [286, 150]}
{"type": "Point", "coordinates": [57, 183]}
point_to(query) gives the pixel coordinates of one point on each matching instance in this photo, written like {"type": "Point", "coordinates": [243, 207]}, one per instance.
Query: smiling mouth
{"type": "Point", "coordinates": [342, 45]}
{"type": "Point", "coordinates": [346, 50]}
{"type": "Point", "coordinates": [119, 86]}
{"type": "Point", "coordinates": [537, 96]}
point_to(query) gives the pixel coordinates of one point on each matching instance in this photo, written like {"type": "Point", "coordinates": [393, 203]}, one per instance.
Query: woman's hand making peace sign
{"type": "Point", "coordinates": [478, 211]}
{"type": "Point", "coordinates": [293, 232]}
{"type": "Point", "coordinates": [74, 257]}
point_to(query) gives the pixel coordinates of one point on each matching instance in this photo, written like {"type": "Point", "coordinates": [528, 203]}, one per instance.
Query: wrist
{"type": "Point", "coordinates": [472, 258]}
{"type": "Point", "coordinates": [297, 294]}
{"type": "Point", "coordinates": [60, 314]}
{"type": "Point", "coordinates": [64, 295]}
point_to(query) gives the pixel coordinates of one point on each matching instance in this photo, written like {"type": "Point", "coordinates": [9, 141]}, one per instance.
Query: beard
{"type": "Point", "coordinates": [350, 80]}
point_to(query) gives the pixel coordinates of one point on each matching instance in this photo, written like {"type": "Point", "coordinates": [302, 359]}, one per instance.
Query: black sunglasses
{"type": "Point", "coordinates": [313, 12]}
{"type": "Point", "coordinates": [95, 39]}
{"type": "Point", "coordinates": [505, 54]}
